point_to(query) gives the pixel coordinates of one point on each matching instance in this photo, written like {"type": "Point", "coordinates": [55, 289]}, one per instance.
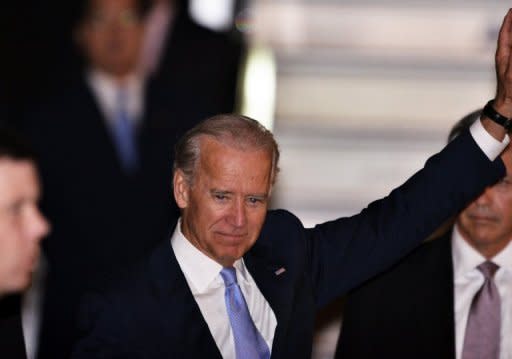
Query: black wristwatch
{"type": "Point", "coordinates": [491, 113]}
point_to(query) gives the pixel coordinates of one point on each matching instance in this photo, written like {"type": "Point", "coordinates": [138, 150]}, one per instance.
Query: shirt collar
{"type": "Point", "coordinates": [105, 88]}
{"type": "Point", "coordinates": [201, 271]}
{"type": "Point", "coordinates": [504, 258]}
{"type": "Point", "coordinates": [466, 258]}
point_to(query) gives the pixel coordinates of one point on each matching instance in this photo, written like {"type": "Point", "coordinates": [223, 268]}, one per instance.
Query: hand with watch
{"type": "Point", "coordinates": [497, 114]}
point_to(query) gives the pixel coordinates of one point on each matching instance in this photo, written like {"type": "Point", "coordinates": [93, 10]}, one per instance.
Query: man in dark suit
{"type": "Point", "coordinates": [105, 145]}
{"type": "Point", "coordinates": [236, 280]}
{"type": "Point", "coordinates": [22, 227]}
{"type": "Point", "coordinates": [429, 292]}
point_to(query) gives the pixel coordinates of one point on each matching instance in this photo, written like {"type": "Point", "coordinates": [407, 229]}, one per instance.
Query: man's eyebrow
{"type": "Point", "coordinates": [219, 191]}
{"type": "Point", "coordinates": [257, 195]}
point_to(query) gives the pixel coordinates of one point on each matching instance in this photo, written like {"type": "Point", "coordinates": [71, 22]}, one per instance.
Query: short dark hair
{"type": "Point", "coordinates": [14, 146]}
{"type": "Point", "coordinates": [234, 130]}
{"type": "Point", "coordinates": [464, 124]}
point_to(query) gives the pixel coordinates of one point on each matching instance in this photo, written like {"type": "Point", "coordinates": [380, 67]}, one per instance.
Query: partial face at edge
{"type": "Point", "coordinates": [486, 223]}
{"type": "Point", "coordinates": [22, 226]}
{"type": "Point", "coordinates": [225, 207]}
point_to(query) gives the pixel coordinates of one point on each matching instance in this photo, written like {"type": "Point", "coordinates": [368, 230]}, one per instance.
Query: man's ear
{"type": "Point", "coordinates": [181, 188]}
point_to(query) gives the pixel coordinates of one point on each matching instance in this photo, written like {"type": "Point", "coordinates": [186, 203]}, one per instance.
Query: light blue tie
{"type": "Point", "coordinates": [249, 344]}
{"type": "Point", "coordinates": [124, 134]}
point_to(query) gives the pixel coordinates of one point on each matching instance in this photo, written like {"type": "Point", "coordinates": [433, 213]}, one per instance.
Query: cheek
{"type": "Point", "coordinates": [256, 222]}
{"type": "Point", "coordinates": [96, 54]}
{"type": "Point", "coordinates": [506, 219]}
{"type": "Point", "coordinates": [463, 219]}
{"type": "Point", "coordinates": [9, 240]}
{"type": "Point", "coordinates": [11, 252]}
{"type": "Point", "coordinates": [94, 42]}
{"type": "Point", "coordinates": [505, 209]}
{"type": "Point", "coordinates": [133, 40]}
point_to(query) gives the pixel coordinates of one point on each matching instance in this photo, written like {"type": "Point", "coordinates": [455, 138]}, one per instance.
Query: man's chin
{"type": "Point", "coordinates": [19, 285]}
{"type": "Point", "coordinates": [227, 260]}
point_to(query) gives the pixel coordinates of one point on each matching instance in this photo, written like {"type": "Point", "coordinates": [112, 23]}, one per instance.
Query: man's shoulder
{"type": "Point", "coordinates": [281, 219]}
{"type": "Point", "coordinates": [137, 279]}
{"type": "Point", "coordinates": [134, 291]}
{"type": "Point", "coordinates": [281, 214]}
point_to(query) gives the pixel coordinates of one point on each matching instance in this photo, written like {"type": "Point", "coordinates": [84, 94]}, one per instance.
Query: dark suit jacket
{"type": "Point", "coordinates": [152, 314]}
{"type": "Point", "coordinates": [12, 343]}
{"type": "Point", "coordinates": [201, 61]}
{"type": "Point", "coordinates": [406, 312]}
{"type": "Point", "coordinates": [103, 219]}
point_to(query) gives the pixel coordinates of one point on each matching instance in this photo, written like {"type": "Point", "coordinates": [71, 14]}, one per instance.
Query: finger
{"type": "Point", "coordinates": [504, 44]}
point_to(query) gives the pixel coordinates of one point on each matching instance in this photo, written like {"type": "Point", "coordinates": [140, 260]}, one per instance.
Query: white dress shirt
{"type": "Point", "coordinates": [468, 280]}
{"type": "Point", "coordinates": [31, 308]}
{"type": "Point", "coordinates": [204, 280]}
{"type": "Point", "coordinates": [105, 89]}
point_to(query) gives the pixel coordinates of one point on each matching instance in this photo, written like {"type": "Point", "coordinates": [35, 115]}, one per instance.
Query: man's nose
{"type": "Point", "coordinates": [238, 213]}
{"type": "Point", "coordinates": [485, 197]}
{"type": "Point", "coordinates": [39, 226]}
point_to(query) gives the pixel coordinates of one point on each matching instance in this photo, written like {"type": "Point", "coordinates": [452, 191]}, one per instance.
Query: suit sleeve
{"type": "Point", "coordinates": [345, 252]}
{"type": "Point", "coordinates": [100, 330]}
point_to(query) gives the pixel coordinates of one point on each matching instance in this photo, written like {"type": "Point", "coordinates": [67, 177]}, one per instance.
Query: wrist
{"type": "Point", "coordinates": [502, 106]}
{"type": "Point", "coordinates": [492, 112]}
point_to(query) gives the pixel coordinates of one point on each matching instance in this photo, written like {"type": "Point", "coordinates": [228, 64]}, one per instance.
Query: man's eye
{"type": "Point", "coordinates": [254, 200]}
{"type": "Point", "coordinates": [220, 196]}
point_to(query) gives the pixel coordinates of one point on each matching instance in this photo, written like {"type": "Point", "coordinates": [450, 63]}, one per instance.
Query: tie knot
{"type": "Point", "coordinates": [488, 269]}
{"type": "Point", "coordinates": [228, 275]}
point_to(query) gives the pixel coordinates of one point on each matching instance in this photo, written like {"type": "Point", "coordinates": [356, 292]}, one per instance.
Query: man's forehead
{"type": "Point", "coordinates": [217, 156]}
{"type": "Point", "coordinates": [209, 145]}
{"type": "Point", "coordinates": [228, 168]}
{"type": "Point", "coordinates": [9, 164]}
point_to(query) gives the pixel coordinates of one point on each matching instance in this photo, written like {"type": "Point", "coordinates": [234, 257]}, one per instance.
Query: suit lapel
{"type": "Point", "coordinates": [437, 269]}
{"type": "Point", "coordinates": [447, 300]}
{"type": "Point", "coordinates": [12, 344]}
{"type": "Point", "coordinates": [95, 126]}
{"type": "Point", "coordinates": [180, 315]}
{"type": "Point", "coordinates": [275, 283]}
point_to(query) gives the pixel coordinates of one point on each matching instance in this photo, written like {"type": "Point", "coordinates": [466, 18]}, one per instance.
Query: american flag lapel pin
{"type": "Point", "coordinates": [280, 271]}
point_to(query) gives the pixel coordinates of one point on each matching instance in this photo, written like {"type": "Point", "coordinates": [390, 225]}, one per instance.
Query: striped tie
{"type": "Point", "coordinates": [482, 338]}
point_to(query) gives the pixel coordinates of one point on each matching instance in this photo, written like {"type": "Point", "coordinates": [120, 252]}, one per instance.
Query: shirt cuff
{"type": "Point", "coordinates": [488, 144]}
